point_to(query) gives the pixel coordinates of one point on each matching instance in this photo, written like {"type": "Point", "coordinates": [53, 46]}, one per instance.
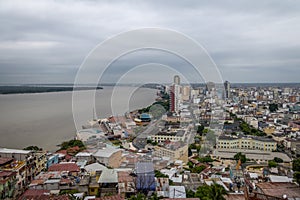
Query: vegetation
{"type": "Point", "coordinates": [248, 130]}
{"type": "Point", "coordinates": [38, 89]}
{"type": "Point", "coordinates": [296, 168]}
{"type": "Point", "coordinates": [154, 143]}
{"type": "Point", "coordinates": [163, 103]}
{"type": "Point", "coordinates": [297, 177]}
{"type": "Point", "coordinates": [72, 143]}
{"type": "Point", "coordinates": [116, 142]}
{"type": "Point", "coordinates": [33, 148]}
{"type": "Point", "coordinates": [190, 194]}
{"type": "Point", "coordinates": [296, 164]}
{"type": "Point", "coordinates": [272, 163]}
{"type": "Point", "coordinates": [273, 107]}
{"type": "Point", "coordinates": [206, 159]}
{"type": "Point", "coordinates": [240, 156]}
{"type": "Point", "coordinates": [198, 169]}
{"type": "Point", "coordinates": [158, 174]}
{"type": "Point", "coordinates": [200, 129]}
{"type": "Point", "coordinates": [195, 146]}
{"type": "Point", "coordinates": [68, 191]}
{"type": "Point", "coordinates": [213, 192]}
{"type": "Point", "coordinates": [278, 160]}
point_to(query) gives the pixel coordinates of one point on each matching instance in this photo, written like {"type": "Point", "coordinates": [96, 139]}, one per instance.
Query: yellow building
{"type": "Point", "coordinates": [173, 150]}
{"type": "Point", "coordinates": [269, 130]}
{"type": "Point", "coordinates": [173, 136]}
{"type": "Point", "coordinates": [246, 142]}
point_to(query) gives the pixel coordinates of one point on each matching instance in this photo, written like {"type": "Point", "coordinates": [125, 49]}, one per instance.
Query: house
{"type": "Point", "coordinates": [290, 190]}
{"type": "Point", "coordinates": [177, 192]}
{"type": "Point", "coordinates": [109, 156]}
{"type": "Point", "coordinates": [7, 184]}
{"type": "Point", "coordinates": [108, 182]}
{"type": "Point", "coordinates": [173, 150]}
{"type": "Point", "coordinates": [52, 159]}
{"type": "Point", "coordinates": [126, 183]}
{"type": "Point", "coordinates": [71, 168]}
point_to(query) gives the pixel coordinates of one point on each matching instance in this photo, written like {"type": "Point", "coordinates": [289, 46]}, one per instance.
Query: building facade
{"type": "Point", "coordinates": [243, 142]}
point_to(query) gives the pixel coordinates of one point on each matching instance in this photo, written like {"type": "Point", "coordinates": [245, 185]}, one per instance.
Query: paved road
{"type": "Point", "coordinates": [141, 140]}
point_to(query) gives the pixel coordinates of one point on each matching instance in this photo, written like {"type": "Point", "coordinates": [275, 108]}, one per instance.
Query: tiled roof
{"type": "Point", "coordinates": [71, 167]}
{"type": "Point", "coordinates": [115, 197]}
{"type": "Point", "coordinates": [6, 173]}
{"type": "Point", "coordinates": [33, 194]}
{"type": "Point", "coordinates": [5, 160]}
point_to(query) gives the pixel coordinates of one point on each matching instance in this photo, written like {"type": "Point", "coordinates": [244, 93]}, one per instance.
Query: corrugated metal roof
{"type": "Point", "coordinates": [108, 176]}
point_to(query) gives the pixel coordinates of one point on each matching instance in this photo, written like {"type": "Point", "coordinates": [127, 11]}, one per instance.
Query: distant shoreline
{"type": "Point", "coordinates": [5, 90]}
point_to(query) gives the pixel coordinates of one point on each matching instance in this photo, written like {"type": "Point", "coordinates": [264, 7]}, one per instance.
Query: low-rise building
{"type": "Point", "coordinates": [173, 150]}
{"type": "Point", "coordinates": [7, 184]}
{"type": "Point", "coordinates": [173, 136]}
{"type": "Point", "coordinates": [109, 156]}
{"type": "Point", "coordinates": [246, 142]}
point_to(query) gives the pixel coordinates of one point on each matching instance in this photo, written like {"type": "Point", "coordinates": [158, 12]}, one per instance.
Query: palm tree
{"type": "Point", "coordinates": [213, 192]}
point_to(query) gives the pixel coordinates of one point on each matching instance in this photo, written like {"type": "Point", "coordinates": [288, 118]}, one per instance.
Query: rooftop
{"type": "Point", "coordinates": [106, 152]}
{"type": "Point", "coordinates": [17, 151]}
{"type": "Point", "coordinates": [4, 161]}
{"type": "Point", "coordinates": [71, 167]}
{"type": "Point", "coordinates": [108, 176]}
{"type": "Point", "coordinates": [279, 189]}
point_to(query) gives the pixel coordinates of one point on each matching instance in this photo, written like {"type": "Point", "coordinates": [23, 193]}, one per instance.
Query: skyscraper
{"type": "Point", "coordinates": [176, 80]}
{"type": "Point", "coordinates": [175, 95]}
{"type": "Point", "coordinates": [227, 89]}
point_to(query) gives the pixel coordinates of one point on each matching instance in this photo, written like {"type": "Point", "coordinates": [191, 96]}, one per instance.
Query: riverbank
{"type": "Point", "coordinates": [46, 119]}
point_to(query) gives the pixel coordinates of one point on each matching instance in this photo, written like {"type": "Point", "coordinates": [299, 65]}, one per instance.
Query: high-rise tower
{"type": "Point", "coordinates": [227, 89]}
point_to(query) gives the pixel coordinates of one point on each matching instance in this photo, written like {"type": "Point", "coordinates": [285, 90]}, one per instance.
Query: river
{"type": "Point", "coordinates": [45, 119]}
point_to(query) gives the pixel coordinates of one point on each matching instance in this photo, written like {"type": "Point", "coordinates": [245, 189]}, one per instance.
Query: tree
{"type": "Point", "coordinates": [33, 148]}
{"type": "Point", "coordinates": [240, 156]}
{"type": "Point", "coordinates": [273, 107]}
{"type": "Point", "coordinates": [190, 194]}
{"type": "Point", "coordinates": [297, 177]}
{"type": "Point", "coordinates": [139, 196]}
{"type": "Point", "coordinates": [200, 129]}
{"type": "Point", "coordinates": [296, 165]}
{"type": "Point", "coordinates": [198, 169]}
{"type": "Point", "coordinates": [158, 174]}
{"type": "Point", "coordinates": [272, 163]}
{"type": "Point", "coordinates": [72, 143]}
{"type": "Point", "coordinates": [278, 160]}
{"type": "Point", "coordinates": [213, 192]}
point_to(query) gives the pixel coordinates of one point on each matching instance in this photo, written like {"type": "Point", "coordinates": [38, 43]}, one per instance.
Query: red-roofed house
{"type": "Point", "coordinates": [33, 194]}
{"type": "Point", "coordinates": [69, 167]}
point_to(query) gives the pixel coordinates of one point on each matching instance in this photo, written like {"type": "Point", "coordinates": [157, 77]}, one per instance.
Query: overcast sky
{"type": "Point", "coordinates": [250, 41]}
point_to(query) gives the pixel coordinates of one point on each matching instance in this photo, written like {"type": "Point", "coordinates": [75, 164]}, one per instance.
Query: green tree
{"type": "Point", "coordinates": [278, 160]}
{"type": "Point", "coordinates": [200, 129]}
{"type": "Point", "coordinates": [273, 107]}
{"type": "Point", "coordinates": [138, 196]}
{"type": "Point", "coordinates": [198, 169]}
{"type": "Point", "coordinates": [190, 194]}
{"type": "Point", "coordinates": [33, 148]}
{"type": "Point", "coordinates": [213, 192]}
{"type": "Point", "coordinates": [72, 143]}
{"type": "Point", "coordinates": [158, 174]}
{"type": "Point", "coordinates": [240, 156]}
{"type": "Point", "coordinates": [272, 163]}
{"type": "Point", "coordinates": [296, 164]}
{"type": "Point", "coordinates": [297, 177]}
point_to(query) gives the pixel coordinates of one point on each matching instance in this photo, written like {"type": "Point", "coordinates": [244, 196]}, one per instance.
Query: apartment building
{"type": "Point", "coordinates": [246, 142]}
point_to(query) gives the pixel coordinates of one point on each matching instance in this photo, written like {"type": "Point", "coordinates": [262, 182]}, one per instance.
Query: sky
{"type": "Point", "coordinates": [249, 41]}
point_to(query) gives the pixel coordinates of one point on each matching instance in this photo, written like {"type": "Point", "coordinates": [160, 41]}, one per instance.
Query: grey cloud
{"type": "Point", "coordinates": [50, 39]}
